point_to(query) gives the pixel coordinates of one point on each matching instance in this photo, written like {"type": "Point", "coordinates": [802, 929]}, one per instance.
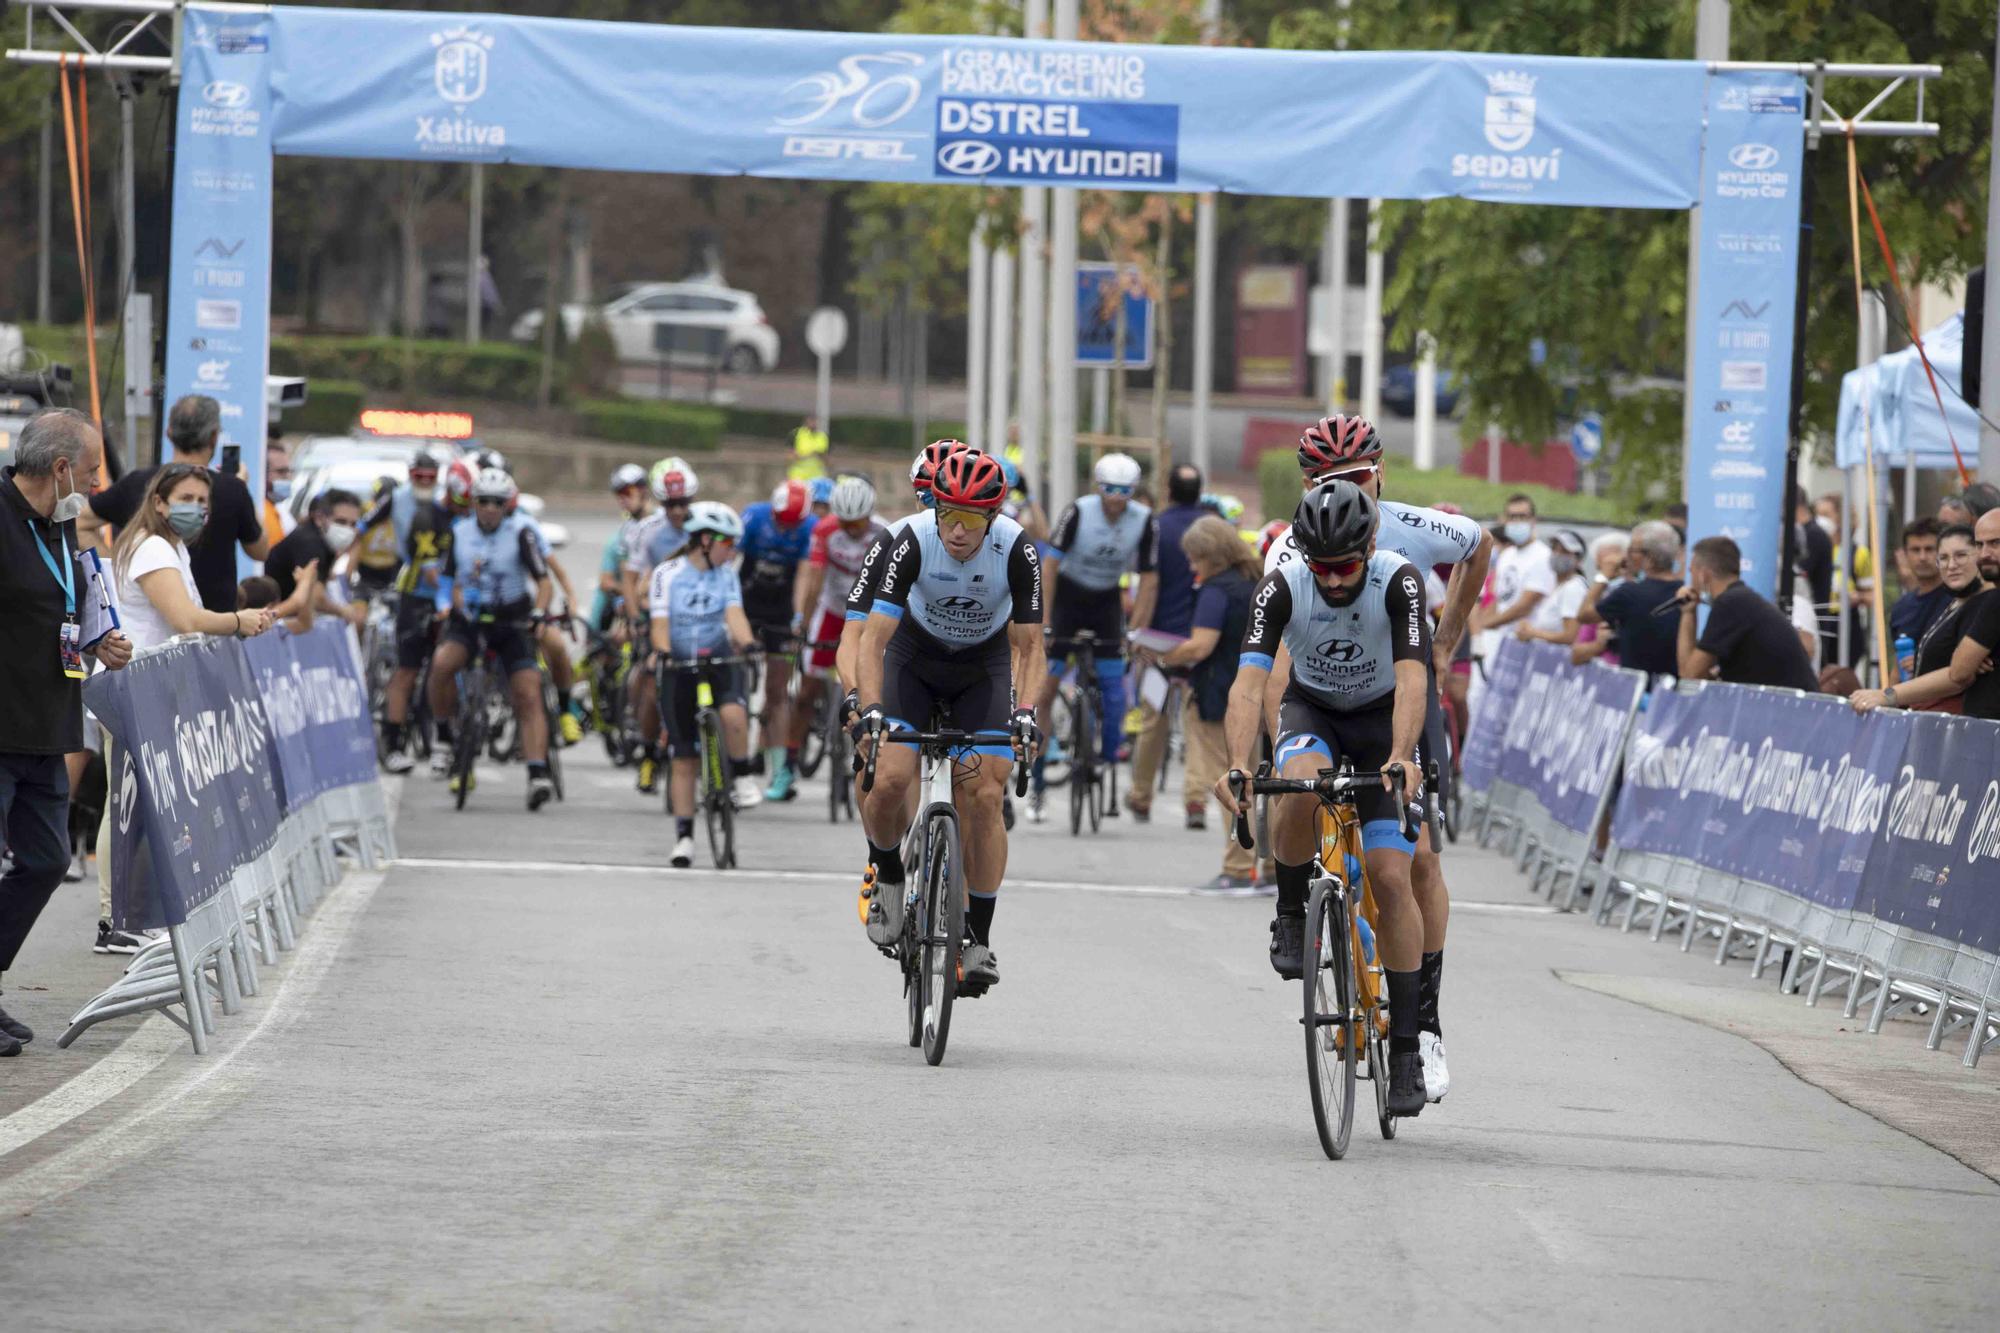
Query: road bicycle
{"type": "Point", "coordinates": [932, 944]}
{"type": "Point", "coordinates": [1093, 780]}
{"type": "Point", "coordinates": [816, 743]}
{"type": "Point", "coordinates": [607, 673]}
{"type": "Point", "coordinates": [1346, 993]}
{"type": "Point", "coordinates": [715, 795]}
{"type": "Point", "coordinates": [486, 716]}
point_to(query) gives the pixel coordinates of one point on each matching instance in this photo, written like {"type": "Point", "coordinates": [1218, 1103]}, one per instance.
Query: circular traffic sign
{"type": "Point", "coordinates": [826, 331]}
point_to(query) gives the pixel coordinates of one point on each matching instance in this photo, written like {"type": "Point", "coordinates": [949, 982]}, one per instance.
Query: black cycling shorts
{"type": "Point", "coordinates": [969, 691]}
{"type": "Point", "coordinates": [679, 688]}
{"type": "Point", "coordinates": [415, 613]}
{"type": "Point", "coordinates": [1075, 608]}
{"type": "Point", "coordinates": [774, 636]}
{"type": "Point", "coordinates": [1362, 737]}
{"type": "Point", "coordinates": [510, 639]}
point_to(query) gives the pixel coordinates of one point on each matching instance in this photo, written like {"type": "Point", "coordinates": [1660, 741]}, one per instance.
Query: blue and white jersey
{"type": "Point", "coordinates": [403, 505]}
{"type": "Point", "coordinates": [693, 601]}
{"type": "Point", "coordinates": [655, 540]}
{"type": "Point", "coordinates": [1097, 551]}
{"type": "Point", "coordinates": [960, 604]}
{"type": "Point", "coordinates": [1426, 538]}
{"type": "Point", "coordinates": [498, 568]}
{"type": "Point", "coordinates": [1343, 656]}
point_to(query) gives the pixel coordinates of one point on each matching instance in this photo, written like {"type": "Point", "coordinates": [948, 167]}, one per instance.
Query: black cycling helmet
{"type": "Point", "coordinates": [1335, 519]}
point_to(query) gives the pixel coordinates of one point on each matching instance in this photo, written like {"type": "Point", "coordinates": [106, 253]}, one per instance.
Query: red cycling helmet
{"type": "Point", "coordinates": [459, 479]}
{"type": "Point", "coordinates": [968, 479]}
{"type": "Point", "coordinates": [1337, 441]}
{"type": "Point", "coordinates": [789, 502]}
{"type": "Point", "coordinates": [927, 462]}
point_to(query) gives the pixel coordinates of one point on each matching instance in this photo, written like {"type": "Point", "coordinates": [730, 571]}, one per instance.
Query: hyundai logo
{"type": "Point", "coordinates": [1753, 156]}
{"type": "Point", "coordinates": [225, 94]}
{"type": "Point", "coordinates": [969, 157]}
{"type": "Point", "coordinates": [958, 603]}
{"type": "Point", "coordinates": [1411, 518]}
{"type": "Point", "coordinates": [1340, 650]}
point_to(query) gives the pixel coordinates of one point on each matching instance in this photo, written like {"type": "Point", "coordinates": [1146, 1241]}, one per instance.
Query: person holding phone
{"type": "Point", "coordinates": [234, 518]}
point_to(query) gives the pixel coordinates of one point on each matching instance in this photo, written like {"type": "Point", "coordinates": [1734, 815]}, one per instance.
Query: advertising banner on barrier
{"type": "Point", "coordinates": [1742, 376]}
{"type": "Point", "coordinates": [318, 709]}
{"type": "Point", "coordinates": [1936, 865]}
{"type": "Point", "coordinates": [1488, 732]}
{"type": "Point", "coordinates": [1781, 789]}
{"type": "Point", "coordinates": [1567, 729]}
{"type": "Point", "coordinates": [193, 794]}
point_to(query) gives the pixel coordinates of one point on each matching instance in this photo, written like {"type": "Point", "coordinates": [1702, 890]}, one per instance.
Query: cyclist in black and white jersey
{"type": "Point", "coordinates": [1352, 617]}
{"type": "Point", "coordinates": [1347, 448]}
{"type": "Point", "coordinates": [953, 632]}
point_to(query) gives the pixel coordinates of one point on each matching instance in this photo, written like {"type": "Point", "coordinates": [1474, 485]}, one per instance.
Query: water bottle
{"type": "Point", "coordinates": [1367, 942]}
{"type": "Point", "coordinates": [1906, 652]}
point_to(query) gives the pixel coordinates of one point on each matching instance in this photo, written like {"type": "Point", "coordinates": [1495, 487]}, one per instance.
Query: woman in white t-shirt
{"type": "Point", "coordinates": [1554, 619]}
{"type": "Point", "coordinates": [157, 597]}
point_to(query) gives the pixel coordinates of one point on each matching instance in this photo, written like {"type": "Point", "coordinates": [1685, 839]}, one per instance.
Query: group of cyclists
{"type": "Point", "coordinates": [936, 620]}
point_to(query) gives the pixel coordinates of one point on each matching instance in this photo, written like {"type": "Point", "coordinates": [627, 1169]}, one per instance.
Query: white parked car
{"type": "Point", "coordinates": [749, 343]}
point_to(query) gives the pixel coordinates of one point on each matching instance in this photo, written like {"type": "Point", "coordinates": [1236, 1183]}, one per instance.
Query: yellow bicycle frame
{"type": "Point", "coordinates": [1340, 847]}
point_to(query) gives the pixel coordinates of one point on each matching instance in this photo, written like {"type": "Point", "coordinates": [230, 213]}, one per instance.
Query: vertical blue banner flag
{"type": "Point", "coordinates": [218, 286]}
{"type": "Point", "coordinates": [1742, 385]}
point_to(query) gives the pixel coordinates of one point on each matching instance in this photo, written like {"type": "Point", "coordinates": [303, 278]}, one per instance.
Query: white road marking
{"type": "Point", "coordinates": [137, 1056]}
{"type": "Point", "coordinates": [845, 877]}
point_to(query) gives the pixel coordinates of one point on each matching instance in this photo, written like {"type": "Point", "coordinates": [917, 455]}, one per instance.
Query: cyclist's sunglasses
{"type": "Point", "coordinates": [971, 518]}
{"type": "Point", "coordinates": [484, 503]}
{"type": "Point", "coordinates": [1113, 488]}
{"type": "Point", "coordinates": [1357, 475]}
{"type": "Point", "coordinates": [677, 504]}
{"type": "Point", "coordinates": [1343, 568]}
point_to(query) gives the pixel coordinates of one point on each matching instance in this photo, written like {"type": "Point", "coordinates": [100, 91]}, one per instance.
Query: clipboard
{"type": "Point", "coordinates": [99, 607]}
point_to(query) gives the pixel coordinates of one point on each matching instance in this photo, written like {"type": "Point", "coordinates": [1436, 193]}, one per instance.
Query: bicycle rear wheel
{"type": "Point", "coordinates": [1378, 1073]}
{"type": "Point", "coordinates": [813, 744]}
{"type": "Point", "coordinates": [1082, 762]}
{"type": "Point", "coordinates": [1332, 1048]}
{"type": "Point", "coordinates": [465, 752]}
{"type": "Point", "coordinates": [940, 931]}
{"type": "Point", "coordinates": [552, 704]}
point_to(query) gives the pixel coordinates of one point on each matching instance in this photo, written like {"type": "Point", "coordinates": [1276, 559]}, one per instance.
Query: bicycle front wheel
{"type": "Point", "coordinates": [465, 754]}
{"type": "Point", "coordinates": [940, 931]}
{"type": "Point", "coordinates": [1082, 763]}
{"type": "Point", "coordinates": [1332, 1037]}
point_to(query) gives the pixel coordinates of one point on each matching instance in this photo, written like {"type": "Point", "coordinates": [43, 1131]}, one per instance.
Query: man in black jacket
{"type": "Point", "coordinates": [56, 458]}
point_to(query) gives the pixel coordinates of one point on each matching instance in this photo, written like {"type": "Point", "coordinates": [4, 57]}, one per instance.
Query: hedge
{"type": "Point", "coordinates": [857, 432]}
{"type": "Point", "coordinates": [671, 427]}
{"type": "Point", "coordinates": [331, 408]}
{"type": "Point", "coordinates": [1278, 484]}
{"type": "Point", "coordinates": [496, 371]}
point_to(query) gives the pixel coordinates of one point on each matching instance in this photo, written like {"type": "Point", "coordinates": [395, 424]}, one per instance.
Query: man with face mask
{"type": "Point", "coordinates": [1747, 641]}
{"type": "Point", "coordinates": [302, 564]}
{"type": "Point", "coordinates": [1522, 572]}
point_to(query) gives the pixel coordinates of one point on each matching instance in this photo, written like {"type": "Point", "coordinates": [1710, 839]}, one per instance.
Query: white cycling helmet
{"type": "Point", "coordinates": [673, 479]}
{"type": "Point", "coordinates": [1116, 470]}
{"type": "Point", "coordinates": [627, 475]}
{"type": "Point", "coordinates": [487, 458]}
{"type": "Point", "coordinates": [494, 484]}
{"type": "Point", "coordinates": [853, 498]}
{"type": "Point", "coordinates": [713, 516]}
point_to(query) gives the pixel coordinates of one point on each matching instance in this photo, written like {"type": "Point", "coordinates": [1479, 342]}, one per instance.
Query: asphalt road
{"type": "Point", "coordinates": [531, 1078]}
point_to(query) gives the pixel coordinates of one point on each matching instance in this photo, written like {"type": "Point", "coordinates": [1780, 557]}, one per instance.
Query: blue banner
{"type": "Point", "coordinates": [1936, 865]}
{"type": "Point", "coordinates": [1566, 732]}
{"type": "Point", "coordinates": [317, 704]}
{"type": "Point", "coordinates": [193, 792]}
{"type": "Point", "coordinates": [1742, 383]}
{"type": "Point", "coordinates": [218, 300]}
{"type": "Point", "coordinates": [1487, 735]}
{"type": "Point", "coordinates": [1100, 289]}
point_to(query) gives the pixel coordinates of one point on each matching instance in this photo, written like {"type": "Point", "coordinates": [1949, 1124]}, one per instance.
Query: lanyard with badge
{"type": "Point", "coordinates": [64, 571]}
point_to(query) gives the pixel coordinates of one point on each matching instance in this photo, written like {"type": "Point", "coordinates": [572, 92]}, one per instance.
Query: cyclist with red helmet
{"type": "Point", "coordinates": [861, 593]}
{"type": "Point", "coordinates": [1347, 448]}
{"type": "Point", "coordinates": [955, 631]}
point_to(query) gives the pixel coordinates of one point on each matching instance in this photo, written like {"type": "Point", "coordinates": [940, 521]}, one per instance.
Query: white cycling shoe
{"type": "Point", "coordinates": [1437, 1080]}
{"type": "Point", "coordinates": [748, 792]}
{"type": "Point", "coordinates": [683, 853]}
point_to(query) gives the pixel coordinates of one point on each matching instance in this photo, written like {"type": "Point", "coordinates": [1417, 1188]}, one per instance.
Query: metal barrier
{"type": "Point", "coordinates": [1881, 966]}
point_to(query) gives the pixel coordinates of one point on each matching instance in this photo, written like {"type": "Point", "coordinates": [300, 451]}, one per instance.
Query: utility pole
{"type": "Point", "coordinates": [1711, 42]}
{"type": "Point", "coordinates": [44, 214]}
{"type": "Point", "coordinates": [1204, 286]}
{"type": "Point", "coordinates": [978, 266]}
{"type": "Point", "coordinates": [1333, 273]}
{"type": "Point", "coordinates": [475, 246]}
{"type": "Point", "coordinates": [1034, 293]}
{"type": "Point", "coordinates": [1062, 319]}
{"type": "Point", "coordinates": [1000, 350]}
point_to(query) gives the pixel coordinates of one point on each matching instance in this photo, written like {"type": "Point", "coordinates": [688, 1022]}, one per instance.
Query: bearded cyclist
{"type": "Point", "coordinates": [500, 586]}
{"type": "Point", "coordinates": [425, 540]}
{"type": "Point", "coordinates": [1353, 619]}
{"type": "Point", "coordinates": [1347, 448]}
{"type": "Point", "coordinates": [954, 631]}
{"type": "Point", "coordinates": [658, 538]}
{"type": "Point", "coordinates": [777, 534]}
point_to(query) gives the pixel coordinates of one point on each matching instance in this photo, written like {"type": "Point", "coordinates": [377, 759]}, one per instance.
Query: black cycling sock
{"type": "Point", "coordinates": [979, 916]}
{"type": "Point", "coordinates": [394, 735]}
{"type": "Point", "coordinates": [684, 828]}
{"type": "Point", "coordinates": [1427, 1011]}
{"type": "Point", "coordinates": [741, 768]}
{"type": "Point", "coordinates": [538, 768]}
{"type": "Point", "coordinates": [888, 862]}
{"type": "Point", "coordinates": [1293, 884]}
{"type": "Point", "coordinates": [653, 751]}
{"type": "Point", "coordinates": [445, 736]}
{"type": "Point", "coordinates": [1406, 991]}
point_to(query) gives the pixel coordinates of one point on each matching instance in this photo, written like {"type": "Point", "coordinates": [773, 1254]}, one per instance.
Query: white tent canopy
{"type": "Point", "coordinates": [1904, 415]}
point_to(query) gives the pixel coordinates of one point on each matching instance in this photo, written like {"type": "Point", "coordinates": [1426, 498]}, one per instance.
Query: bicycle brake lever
{"type": "Point", "coordinates": [1238, 787]}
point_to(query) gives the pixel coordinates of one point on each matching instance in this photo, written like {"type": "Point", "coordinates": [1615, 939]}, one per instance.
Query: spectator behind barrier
{"type": "Point", "coordinates": [302, 564]}
{"type": "Point", "coordinates": [1747, 640]}
{"type": "Point", "coordinates": [157, 595]}
{"type": "Point", "coordinates": [1611, 565]}
{"type": "Point", "coordinates": [1555, 617]}
{"type": "Point", "coordinates": [255, 591]}
{"type": "Point", "coordinates": [1646, 640]}
{"type": "Point", "coordinates": [1925, 596]}
{"type": "Point", "coordinates": [1969, 505]}
{"type": "Point", "coordinates": [1954, 658]}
